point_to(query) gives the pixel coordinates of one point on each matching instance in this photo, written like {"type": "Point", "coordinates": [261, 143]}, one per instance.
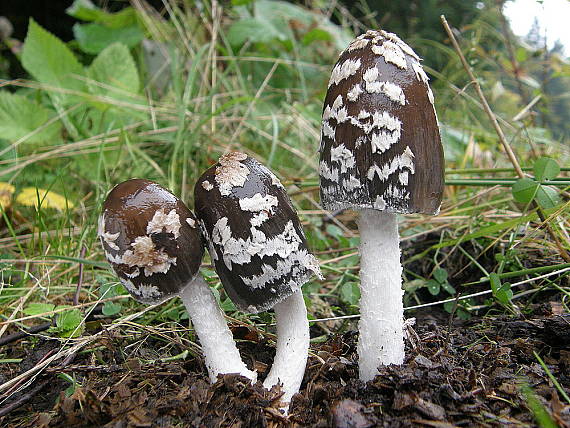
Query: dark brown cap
{"type": "Point", "coordinates": [254, 236]}
{"type": "Point", "coordinates": [151, 239]}
{"type": "Point", "coordinates": [380, 143]}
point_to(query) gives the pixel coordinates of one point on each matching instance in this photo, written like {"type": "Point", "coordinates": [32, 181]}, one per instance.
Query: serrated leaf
{"type": "Point", "coordinates": [440, 275]}
{"type": "Point", "coordinates": [546, 169]}
{"type": "Point", "coordinates": [350, 293]}
{"type": "Point", "coordinates": [6, 192]}
{"type": "Point", "coordinates": [433, 287]}
{"type": "Point", "coordinates": [524, 190]}
{"type": "Point", "coordinates": [113, 68]}
{"type": "Point", "coordinates": [67, 323]}
{"type": "Point", "coordinates": [111, 308]}
{"type": "Point", "coordinates": [34, 197]}
{"type": "Point", "coordinates": [51, 62]}
{"type": "Point", "coordinates": [94, 38]}
{"type": "Point", "coordinates": [38, 308]}
{"type": "Point", "coordinates": [547, 197]}
{"type": "Point", "coordinates": [21, 117]}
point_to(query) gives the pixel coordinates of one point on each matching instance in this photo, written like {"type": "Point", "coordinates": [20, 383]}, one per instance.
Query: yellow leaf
{"type": "Point", "coordinates": [30, 196]}
{"type": "Point", "coordinates": [6, 192]}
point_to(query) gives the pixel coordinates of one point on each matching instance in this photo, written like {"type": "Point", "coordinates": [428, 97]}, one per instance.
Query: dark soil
{"type": "Point", "coordinates": [479, 373]}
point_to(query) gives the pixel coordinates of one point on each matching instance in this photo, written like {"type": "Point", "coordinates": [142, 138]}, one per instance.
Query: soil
{"type": "Point", "coordinates": [481, 372]}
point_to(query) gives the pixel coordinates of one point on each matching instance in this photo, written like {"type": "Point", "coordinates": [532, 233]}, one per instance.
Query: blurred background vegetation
{"type": "Point", "coordinates": [97, 92]}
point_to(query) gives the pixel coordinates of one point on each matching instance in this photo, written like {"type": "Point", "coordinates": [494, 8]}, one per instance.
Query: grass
{"type": "Point", "coordinates": [266, 103]}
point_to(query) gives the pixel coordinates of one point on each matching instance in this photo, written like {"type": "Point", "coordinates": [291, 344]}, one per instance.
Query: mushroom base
{"type": "Point", "coordinates": [381, 340]}
{"type": "Point", "coordinates": [218, 346]}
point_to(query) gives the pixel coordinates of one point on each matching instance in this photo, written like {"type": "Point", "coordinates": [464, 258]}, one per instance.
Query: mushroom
{"type": "Point", "coordinates": [380, 154]}
{"type": "Point", "coordinates": [260, 253]}
{"type": "Point", "coordinates": [153, 244]}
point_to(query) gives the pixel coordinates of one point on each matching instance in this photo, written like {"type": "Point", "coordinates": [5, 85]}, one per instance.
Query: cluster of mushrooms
{"type": "Point", "coordinates": [380, 154]}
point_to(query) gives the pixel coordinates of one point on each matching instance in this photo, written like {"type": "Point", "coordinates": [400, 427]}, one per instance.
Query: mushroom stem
{"type": "Point", "coordinates": [381, 340]}
{"type": "Point", "coordinates": [218, 346]}
{"type": "Point", "coordinates": [292, 346]}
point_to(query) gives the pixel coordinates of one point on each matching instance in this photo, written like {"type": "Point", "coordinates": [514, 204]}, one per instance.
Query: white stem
{"type": "Point", "coordinates": [381, 340]}
{"type": "Point", "coordinates": [292, 346]}
{"type": "Point", "coordinates": [218, 346]}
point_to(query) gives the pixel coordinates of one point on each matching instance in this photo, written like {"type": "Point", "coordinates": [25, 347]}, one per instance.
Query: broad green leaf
{"type": "Point", "coordinates": [87, 11]}
{"type": "Point", "coordinates": [440, 275]}
{"type": "Point", "coordinates": [524, 190]}
{"type": "Point", "coordinates": [241, 2]}
{"type": "Point", "coordinates": [21, 117]}
{"type": "Point", "coordinates": [547, 197]}
{"type": "Point", "coordinates": [448, 287]}
{"type": "Point", "coordinates": [350, 293]}
{"type": "Point", "coordinates": [546, 169]}
{"type": "Point", "coordinates": [314, 35]}
{"type": "Point", "coordinates": [111, 308]}
{"type": "Point", "coordinates": [94, 38]}
{"type": "Point", "coordinates": [253, 29]}
{"type": "Point", "coordinates": [495, 281]}
{"type": "Point", "coordinates": [114, 73]}
{"type": "Point", "coordinates": [433, 287]}
{"type": "Point", "coordinates": [38, 308]}
{"type": "Point", "coordinates": [34, 197]}
{"type": "Point", "coordinates": [51, 62]}
{"type": "Point", "coordinates": [67, 322]}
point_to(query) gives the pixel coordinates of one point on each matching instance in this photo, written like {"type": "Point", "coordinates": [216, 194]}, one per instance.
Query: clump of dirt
{"type": "Point", "coordinates": [482, 372]}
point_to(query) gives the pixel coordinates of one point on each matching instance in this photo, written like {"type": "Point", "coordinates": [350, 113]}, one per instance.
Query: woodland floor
{"type": "Point", "coordinates": [481, 372]}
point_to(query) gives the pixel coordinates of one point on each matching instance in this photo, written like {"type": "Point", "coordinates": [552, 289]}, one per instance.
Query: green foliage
{"type": "Point", "coordinates": [108, 290]}
{"type": "Point", "coordinates": [350, 293]}
{"type": "Point", "coordinates": [525, 190]}
{"type": "Point", "coordinates": [38, 308]}
{"type": "Point", "coordinates": [501, 291]}
{"type": "Point", "coordinates": [438, 282]}
{"type": "Point", "coordinates": [94, 38]}
{"type": "Point", "coordinates": [69, 323]}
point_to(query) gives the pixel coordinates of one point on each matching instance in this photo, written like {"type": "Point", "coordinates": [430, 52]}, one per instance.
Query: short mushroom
{"type": "Point", "coordinates": [260, 253]}
{"type": "Point", "coordinates": [152, 241]}
{"type": "Point", "coordinates": [380, 154]}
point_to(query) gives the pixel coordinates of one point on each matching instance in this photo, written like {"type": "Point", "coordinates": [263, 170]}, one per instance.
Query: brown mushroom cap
{"type": "Point", "coordinates": [151, 240]}
{"type": "Point", "coordinates": [380, 143]}
{"type": "Point", "coordinates": [254, 235]}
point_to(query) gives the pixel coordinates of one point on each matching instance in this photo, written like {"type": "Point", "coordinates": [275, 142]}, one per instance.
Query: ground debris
{"type": "Point", "coordinates": [475, 375]}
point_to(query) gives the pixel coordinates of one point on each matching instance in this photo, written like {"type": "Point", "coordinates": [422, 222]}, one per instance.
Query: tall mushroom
{"type": "Point", "coordinates": [380, 154]}
{"type": "Point", "coordinates": [152, 241]}
{"type": "Point", "coordinates": [260, 253]}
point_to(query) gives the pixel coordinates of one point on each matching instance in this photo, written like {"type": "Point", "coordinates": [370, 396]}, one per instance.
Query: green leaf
{"type": "Point", "coordinates": [241, 2]}
{"type": "Point", "coordinates": [433, 287]}
{"type": "Point", "coordinates": [440, 275]}
{"type": "Point", "coordinates": [38, 308]}
{"type": "Point", "coordinates": [547, 197]}
{"type": "Point", "coordinates": [111, 308]}
{"type": "Point", "coordinates": [350, 293]}
{"type": "Point", "coordinates": [546, 169]}
{"type": "Point", "coordinates": [51, 62]}
{"type": "Point", "coordinates": [524, 190]}
{"type": "Point", "coordinates": [93, 38]}
{"type": "Point", "coordinates": [67, 322]}
{"type": "Point", "coordinates": [502, 292]}
{"type": "Point", "coordinates": [253, 29]}
{"type": "Point", "coordinates": [20, 116]}
{"type": "Point", "coordinates": [314, 35]}
{"type": "Point", "coordinates": [448, 287]}
{"type": "Point", "coordinates": [87, 11]}
{"type": "Point", "coordinates": [114, 73]}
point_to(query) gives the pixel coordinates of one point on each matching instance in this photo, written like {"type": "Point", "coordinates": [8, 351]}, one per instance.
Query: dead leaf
{"type": "Point", "coordinates": [34, 196]}
{"type": "Point", "coordinates": [6, 192]}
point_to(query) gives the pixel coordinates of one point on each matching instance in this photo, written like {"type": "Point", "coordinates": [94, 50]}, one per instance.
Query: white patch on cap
{"type": "Point", "coordinates": [328, 172]}
{"type": "Point", "coordinates": [191, 222]}
{"type": "Point", "coordinates": [145, 255]}
{"type": "Point", "coordinates": [380, 203]}
{"type": "Point", "coordinates": [259, 203]}
{"type": "Point", "coordinates": [206, 235]}
{"type": "Point", "coordinates": [351, 183]}
{"type": "Point", "coordinates": [354, 93]}
{"type": "Point", "coordinates": [134, 273]}
{"type": "Point", "coordinates": [379, 120]}
{"type": "Point", "coordinates": [113, 259]}
{"type": "Point", "coordinates": [363, 114]}
{"type": "Point", "coordinates": [337, 102]}
{"type": "Point", "coordinates": [106, 237]}
{"type": "Point", "coordinates": [403, 178]}
{"type": "Point", "coordinates": [143, 291]}
{"type": "Point", "coordinates": [328, 130]}
{"type": "Point", "coordinates": [391, 90]}
{"type": "Point", "coordinates": [344, 157]}
{"type": "Point", "coordinates": [359, 43]}
{"type": "Point", "coordinates": [420, 73]}
{"type": "Point", "coordinates": [392, 53]}
{"type": "Point", "coordinates": [430, 96]}
{"type": "Point", "coordinates": [341, 115]}
{"type": "Point", "coordinates": [405, 160]}
{"type": "Point", "coordinates": [394, 92]}
{"type": "Point", "coordinates": [295, 265]}
{"type": "Point", "coordinates": [403, 45]}
{"type": "Point", "coordinates": [169, 222]}
{"type": "Point", "coordinates": [231, 172]}
{"type": "Point", "coordinates": [344, 71]}
{"type": "Point", "coordinates": [370, 75]}
{"type": "Point", "coordinates": [396, 193]}
{"type": "Point", "coordinates": [207, 185]}
{"type": "Point", "coordinates": [274, 180]}
{"type": "Point", "coordinates": [382, 140]}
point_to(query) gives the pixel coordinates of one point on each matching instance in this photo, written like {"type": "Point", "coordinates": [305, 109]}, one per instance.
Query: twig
{"type": "Point", "coordinates": [24, 398]}
{"type": "Point", "coordinates": [21, 334]}
{"type": "Point", "coordinates": [80, 279]}
{"type": "Point", "coordinates": [503, 140]}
